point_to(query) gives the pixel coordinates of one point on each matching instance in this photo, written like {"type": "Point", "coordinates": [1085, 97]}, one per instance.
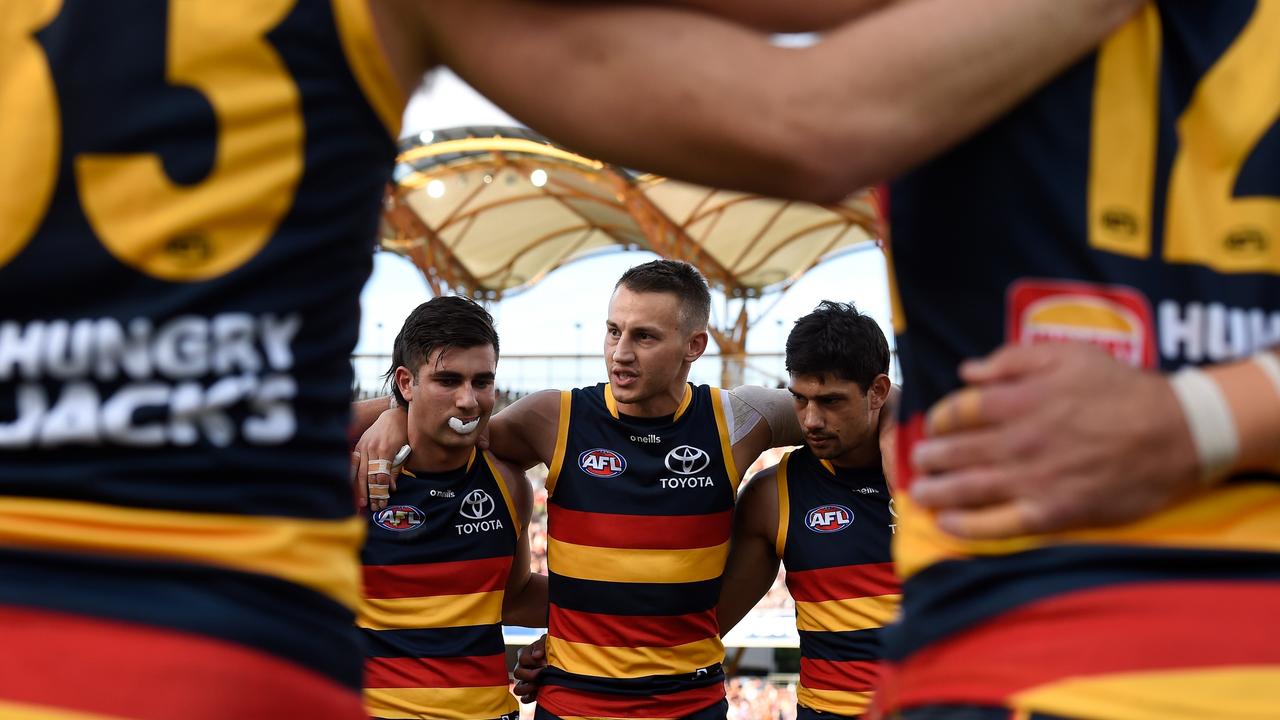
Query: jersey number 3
{"type": "Point", "coordinates": [1233, 107]}
{"type": "Point", "coordinates": [169, 231]}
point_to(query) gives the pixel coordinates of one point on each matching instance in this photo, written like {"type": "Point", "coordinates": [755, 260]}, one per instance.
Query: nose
{"type": "Point", "coordinates": [622, 350]}
{"type": "Point", "coordinates": [465, 399]}
{"type": "Point", "coordinates": [811, 419]}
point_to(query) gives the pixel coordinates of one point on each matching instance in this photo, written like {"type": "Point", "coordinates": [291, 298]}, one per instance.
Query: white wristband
{"type": "Point", "coordinates": [1208, 415]}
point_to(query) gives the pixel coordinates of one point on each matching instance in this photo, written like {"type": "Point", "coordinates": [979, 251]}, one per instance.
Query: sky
{"type": "Point", "coordinates": [565, 313]}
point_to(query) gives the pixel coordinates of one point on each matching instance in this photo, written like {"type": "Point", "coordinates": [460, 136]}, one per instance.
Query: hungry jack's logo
{"type": "Point", "coordinates": [1114, 317]}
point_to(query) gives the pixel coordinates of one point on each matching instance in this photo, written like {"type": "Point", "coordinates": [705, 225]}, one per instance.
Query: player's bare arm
{"type": "Point", "coordinates": [1058, 437]}
{"type": "Point", "coordinates": [753, 559]}
{"type": "Point", "coordinates": [723, 106]}
{"type": "Point", "coordinates": [525, 600]}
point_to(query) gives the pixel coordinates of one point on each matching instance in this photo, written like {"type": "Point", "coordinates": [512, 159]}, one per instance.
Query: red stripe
{"type": "Point", "coordinates": [566, 702]}
{"type": "Point", "coordinates": [639, 532]}
{"type": "Point", "coordinates": [631, 630]}
{"type": "Point", "coordinates": [457, 672]}
{"type": "Point", "coordinates": [1151, 627]}
{"type": "Point", "coordinates": [147, 673]}
{"type": "Point", "coordinates": [909, 433]}
{"type": "Point", "coordinates": [842, 583]}
{"type": "Point", "coordinates": [430, 579]}
{"type": "Point", "coordinates": [844, 675]}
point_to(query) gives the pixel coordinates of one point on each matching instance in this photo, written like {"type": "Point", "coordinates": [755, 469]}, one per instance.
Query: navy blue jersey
{"type": "Point", "coordinates": [436, 565]}
{"type": "Point", "coordinates": [192, 191]}
{"type": "Point", "coordinates": [1134, 203]}
{"type": "Point", "coordinates": [639, 518]}
{"type": "Point", "coordinates": [834, 530]}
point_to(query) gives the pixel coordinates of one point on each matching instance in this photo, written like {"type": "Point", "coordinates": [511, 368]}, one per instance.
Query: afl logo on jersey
{"type": "Point", "coordinates": [399, 518]}
{"type": "Point", "coordinates": [828, 518]}
{"type": "Point", "coordinates": [602, 463]}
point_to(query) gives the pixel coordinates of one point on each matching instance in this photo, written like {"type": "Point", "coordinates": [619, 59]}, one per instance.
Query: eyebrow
{"type": "Point", "coordinates": [451, 375]}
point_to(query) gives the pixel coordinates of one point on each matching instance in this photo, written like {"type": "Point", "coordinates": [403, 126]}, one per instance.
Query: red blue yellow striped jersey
{"type": "Point", "coordinates": [1134, 202]}
{"type": "Point", "coordinates": [190, 193]}
{"type": "Point", "coordinates": [639, 519]}
{"type": "Point", "coordinates": [834, 530]}
{"type": "Point", "coordinates": [436, 564]}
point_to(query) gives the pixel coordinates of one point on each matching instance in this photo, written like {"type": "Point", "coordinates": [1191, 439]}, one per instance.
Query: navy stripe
{"type": "Point", "coordinates": [258, 611]}
{"type": "Point", "coordinates": [613, 598]}
{"type": "Point", "coordinates": [804, 713]}
{"type": "Point", "coordinates": [841, 646]}
{"type": "Point", "coordinates": [646, 686]}
{"type": "Point", "coordinates": [468, 641]}
{"type": "Point", "coordinates": [955, 595]}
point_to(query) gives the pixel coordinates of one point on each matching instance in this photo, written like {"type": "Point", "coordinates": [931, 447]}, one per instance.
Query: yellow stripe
{"type": "Point", "coordinates": [1122, 156]}
{"type": "Point", "coordinates": [506, 492]}
{"type": "Point", "coordinates": [897, 315]}
{"type": "Point", "coordinates": [627, 662]}
{"type": "Point", "coordinates": [1234, 517]}
{"type": "Point", "coordinates": [368, 62]}
{"type": "Point", "coordinates": [840, 702]}
{"type": "Point", "coordinates": [464, 703]}
{"type": "Point", "coordinates": [439, 611]}
{"type": "Point", "coordinates": [726, 447]}
{"type": "Point", "coordinates": [784, 506]}
{"type": "Point", "coordinates": [850, 614]}
{"type": "Point", "coordinates": [562, 441]}
{"type": "Point", "coordinates": [22, 711]}
{"type": "Point", "coordinates": [1222, 693]}
{"type": "Point", "coordinates": [636, 566]}
{"type": "Point", "coordinates": [319, 554]}
{"type": "Point", "coordinates": [609, 402]}
{"type": "Point", "coordinates": [686, 400]}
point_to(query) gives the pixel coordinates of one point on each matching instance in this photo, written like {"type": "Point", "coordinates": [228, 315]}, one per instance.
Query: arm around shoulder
{"type": "Point", "coordinates": [753, 559]}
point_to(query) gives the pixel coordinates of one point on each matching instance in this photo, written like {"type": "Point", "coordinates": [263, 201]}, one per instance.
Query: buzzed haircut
{"type": "Point", "coordinates": [448, 321]}
{"type": "Point", "coordinates": [678, 278]}
{"type": "Point", "coordinates": [837, 340]}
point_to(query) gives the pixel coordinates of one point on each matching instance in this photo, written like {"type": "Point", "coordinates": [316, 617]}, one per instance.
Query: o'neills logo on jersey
{"type": "Point", "coordinates": [602, 463]}
{"type": "Point", "coordinates": [399, 518]}
{"type": "Point", "coordinates": [1114, 317]}
{"type": "Point", "coordinates": [828, 518]}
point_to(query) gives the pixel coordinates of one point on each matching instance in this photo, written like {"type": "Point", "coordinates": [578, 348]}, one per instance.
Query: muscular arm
{"type": "Point", "coordinates": [773, 413]}
{"type": "Point", "coordinates": [364, 413]}
{"type": "Point", "coordinates": [524, 433]}
{"type": "Point", "coordinates": [691, 96]}
{"type": "Point", "coordinates": [753, 562]}
{"type": "Point", "coordinates": [525, 600]}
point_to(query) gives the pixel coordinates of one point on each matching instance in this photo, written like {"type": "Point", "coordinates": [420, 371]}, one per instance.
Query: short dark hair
{"type": "Point", "coordinates": [835, 339]}
{"type": "Point", "coordinates": [448, 321]}
{"type": "Point", "coordinates": [678, 278]}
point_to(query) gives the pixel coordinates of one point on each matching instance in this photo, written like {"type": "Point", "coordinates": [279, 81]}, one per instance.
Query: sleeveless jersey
{"type": "Point", "coordinates": [190, 194]}
{"type": "Point", "coordinates": [639, 519]}
{"type": "Point", "coordinates": [435, 567]}
{"type": "Point", "coordinates": [1134, 203]}
{"type": "Point", "coordinates": [834, 530]}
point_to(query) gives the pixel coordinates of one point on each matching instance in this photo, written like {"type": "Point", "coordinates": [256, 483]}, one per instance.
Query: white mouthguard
{"type": "Point", "coordinates": [464, 428]}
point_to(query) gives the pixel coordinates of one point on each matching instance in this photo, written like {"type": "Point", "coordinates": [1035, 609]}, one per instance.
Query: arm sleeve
{"type": "Point", "coordinates": [750, 403]}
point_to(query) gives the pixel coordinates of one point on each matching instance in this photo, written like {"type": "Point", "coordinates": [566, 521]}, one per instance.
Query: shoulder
{"type": "Point", "coordinates": [758, 503]}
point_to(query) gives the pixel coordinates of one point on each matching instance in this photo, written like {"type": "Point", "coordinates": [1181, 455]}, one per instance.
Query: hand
{"type": "Point", "coordinates": [382, 441]}
{"type": "Point", "coordinates": [529, 664]}
{"type": "Point", "coordinates": [1052, 437]}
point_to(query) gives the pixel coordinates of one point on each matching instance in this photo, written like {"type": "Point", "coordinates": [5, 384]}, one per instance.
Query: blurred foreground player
{"type": "Point", "coordinates": [1094, 532]}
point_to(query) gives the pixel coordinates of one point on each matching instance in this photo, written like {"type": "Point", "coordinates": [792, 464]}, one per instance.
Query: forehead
{"type": "Point", "coordinates": [476, 360]}
{"type": "Point", "coordinates": [628, 307]}
{"type": "Point", "coordinates": [812, 386]}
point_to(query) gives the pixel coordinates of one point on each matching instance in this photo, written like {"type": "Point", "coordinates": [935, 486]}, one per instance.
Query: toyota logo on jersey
{"type": "Point", "coordinates": [399, 518]}
{"type": "Point", "coordinates": [602, 463]}
{"type": "Point", "coordinates": [829, 518]}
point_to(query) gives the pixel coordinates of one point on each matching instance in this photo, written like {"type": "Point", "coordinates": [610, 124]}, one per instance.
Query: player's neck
{"type": "Point", "coordinates": [430, 457]}
{"type": "Point", "coordinates": [865, 455]}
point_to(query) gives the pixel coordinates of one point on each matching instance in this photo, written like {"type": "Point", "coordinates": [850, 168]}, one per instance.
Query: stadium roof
{"type": "Point", "coordinates": [489, 211]}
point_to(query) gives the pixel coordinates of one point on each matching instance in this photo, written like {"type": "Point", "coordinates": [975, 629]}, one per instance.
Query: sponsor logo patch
{"type": "Point", "coordinates": [399, 518]}
{"type": "Point", "coordinates": [1113, 317]}
{"type": "Point", "coordinates": [602, 463]}
{"type": "Point", "coordinates": [828, 518]}
{"type": "Point", "coordinates": [687, 460]}
{"type": "Point", "coordinates": [477, 505]}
